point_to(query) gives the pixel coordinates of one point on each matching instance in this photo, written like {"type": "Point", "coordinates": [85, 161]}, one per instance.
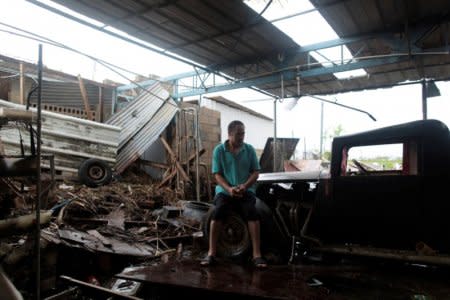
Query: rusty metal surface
{"type": "Point", "coordinates": [281, 282]}
{"type": "Point", "coordinates": [326, 281]}
{"type": "Point", "coordinates": [285, 149]}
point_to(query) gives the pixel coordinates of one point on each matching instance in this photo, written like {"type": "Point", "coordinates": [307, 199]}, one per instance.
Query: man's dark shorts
{"type": "Point", "coordinates": [245, 206]}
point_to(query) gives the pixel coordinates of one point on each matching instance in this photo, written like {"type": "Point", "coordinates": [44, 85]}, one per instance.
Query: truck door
{"type": "Point", "coordinates": [376, 199]}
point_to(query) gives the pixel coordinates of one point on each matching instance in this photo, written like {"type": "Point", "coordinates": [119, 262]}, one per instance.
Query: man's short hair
{"type": "Point", "coordinates": [233, 125]}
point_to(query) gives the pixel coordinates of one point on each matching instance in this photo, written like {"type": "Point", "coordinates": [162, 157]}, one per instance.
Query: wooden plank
{"type": "Point", "coordinates": [154, 164]}
{"type": "Point", "coordinates": [87, 108]}
{"type": "Point", "coordinates": [168, 178]}
{"type": "Point", "coordinates": [174, 159]}
{"type": "Point", "coordinates": [192, 157]}
{"type": "Point", "coordinates": [99, 115]}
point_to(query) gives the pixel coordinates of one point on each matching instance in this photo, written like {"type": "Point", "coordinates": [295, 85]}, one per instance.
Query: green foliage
{"type": "Point", "coordinates": [389, 163]}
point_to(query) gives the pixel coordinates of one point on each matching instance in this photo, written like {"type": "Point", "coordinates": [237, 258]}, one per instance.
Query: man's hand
{"type": "Point", "coordinates": [238, 191]}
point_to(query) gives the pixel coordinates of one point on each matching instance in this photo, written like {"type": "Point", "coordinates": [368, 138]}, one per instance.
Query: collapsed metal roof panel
{"type": "Point", "coordinates": [142, 121]}
{"type": "Point", "coordinates": [71, 140]}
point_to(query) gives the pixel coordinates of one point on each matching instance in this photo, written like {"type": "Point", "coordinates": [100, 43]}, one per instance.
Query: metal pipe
{"type": "Point", "coordinates": [342, 105]}
{"type": "Point", "coordinates": [321, 130]}
{"type": "Point", "coordinates": [424, 99]}
{"type": "Point", "coordinates": [208, 181]}
{"type": "Point", "coordinates": [408, 256]}
{"type": "Point", "coordinates": [274, 135]}
{"type": "Point", "coordinates": [197, 156]}
{"type": "Point", "coordinates": [196, 147]}
{"type": "Point", "coordinates": [305, 228]}
{"type": "Point", "coordinates": [178, 137]}
{"type": "Point", "coordinates": [38, 178]}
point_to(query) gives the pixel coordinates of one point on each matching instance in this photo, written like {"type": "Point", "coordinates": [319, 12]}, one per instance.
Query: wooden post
{"type": "Point", "coordinates": [99, 117]}
{"type": "Point", "coordinates": [87, 108]}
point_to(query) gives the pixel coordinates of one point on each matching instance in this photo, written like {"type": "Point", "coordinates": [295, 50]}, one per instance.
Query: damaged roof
{"type": "Point", "coordinates": [393, 41]}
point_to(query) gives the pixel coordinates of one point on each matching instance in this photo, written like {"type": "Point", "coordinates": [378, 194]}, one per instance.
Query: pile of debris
{"type": "Point", "coordinates": [134, 220]}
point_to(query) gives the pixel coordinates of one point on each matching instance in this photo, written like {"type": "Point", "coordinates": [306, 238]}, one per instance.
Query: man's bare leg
{"type": "Point", "coordinates": [255, 235]}
{"type": "Point", "coordinates": [214, 232]}
{"type": "Point", "coordinates": [254, 229]}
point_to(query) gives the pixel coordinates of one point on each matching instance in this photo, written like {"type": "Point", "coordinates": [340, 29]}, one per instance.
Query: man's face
{"type": "Point", "coordinates": [236, 137]}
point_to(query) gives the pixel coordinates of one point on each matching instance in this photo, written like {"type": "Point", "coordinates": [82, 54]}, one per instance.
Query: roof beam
{"type": "Point", "coordinates": [291, 75]}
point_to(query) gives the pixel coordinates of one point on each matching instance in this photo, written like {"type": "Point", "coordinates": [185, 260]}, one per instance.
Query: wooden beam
{"type": "Point", "coordinates": [174, 159]}
{"type": "Point", "coordinates": [84, 96]}
{"type": "Point", "coordinates": [99, 116]}
{"type": "Point", "coordinates": [167, 178]}
{"type": "Point", "coordinates": [192, 157]}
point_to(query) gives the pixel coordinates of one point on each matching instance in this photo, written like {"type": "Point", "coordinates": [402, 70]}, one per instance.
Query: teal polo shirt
{"type": "Point", "coordinates": [235, 168]}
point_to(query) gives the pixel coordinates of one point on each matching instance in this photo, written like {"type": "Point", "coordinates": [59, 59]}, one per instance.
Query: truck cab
{"type": "Point", "coordinates": [398, 212]}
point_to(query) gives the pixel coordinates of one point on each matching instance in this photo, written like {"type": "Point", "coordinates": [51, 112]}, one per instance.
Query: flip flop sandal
{"type": "Point", "coordinates": [208, 261]}
{"type": "Point", "coordinates": [260, 263]}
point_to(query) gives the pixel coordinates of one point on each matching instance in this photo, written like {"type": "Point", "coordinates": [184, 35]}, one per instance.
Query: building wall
{"type": "Point", "coordinates": [257, 129]}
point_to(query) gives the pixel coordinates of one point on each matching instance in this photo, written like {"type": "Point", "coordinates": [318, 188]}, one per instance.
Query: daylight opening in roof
{"type": "Point", "coordinates": [306, 26]}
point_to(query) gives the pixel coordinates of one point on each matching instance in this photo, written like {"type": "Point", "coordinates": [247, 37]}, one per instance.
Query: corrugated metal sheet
{"type": "Point", "coordinates": [142, 121]}
{"type": "Point", "coordinates": [224, 35]}
{"type": "Point", "coordinates": [229, 37]}
{"type": "Point", "coordinates": [71, 140]}
{"type": "Point", "coordinates": [58, 89]}
{"type": "Point", "coordinates": [68, 94]}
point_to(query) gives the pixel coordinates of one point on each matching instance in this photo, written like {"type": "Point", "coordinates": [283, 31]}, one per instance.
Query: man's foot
{"type": "Point", "coordinates": [209, 260]}
{"type": "Point", "coordinates": [259, 262]}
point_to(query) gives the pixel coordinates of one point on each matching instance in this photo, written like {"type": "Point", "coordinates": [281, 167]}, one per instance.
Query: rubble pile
{"type": "Point", "coordinates": [132, 218]}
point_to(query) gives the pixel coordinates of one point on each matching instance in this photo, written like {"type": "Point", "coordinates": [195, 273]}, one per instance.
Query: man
{"type": "Point", "coordinates": [236, 169]}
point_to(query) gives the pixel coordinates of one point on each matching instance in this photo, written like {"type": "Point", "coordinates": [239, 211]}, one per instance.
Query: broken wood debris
{"type": "Point", "coordinates": [133, 220]}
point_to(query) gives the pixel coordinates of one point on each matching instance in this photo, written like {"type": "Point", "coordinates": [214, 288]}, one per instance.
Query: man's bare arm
{"type": "Point", "coordinates": [250, 181]}
{"type": "Point", "coordinates": [223, 183]}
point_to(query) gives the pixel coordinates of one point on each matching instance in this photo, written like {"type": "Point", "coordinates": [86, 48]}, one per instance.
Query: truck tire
{"type": "Point", "coordinates": [94, 173]}
{"type": "Point", "coordinates": [234, 240]}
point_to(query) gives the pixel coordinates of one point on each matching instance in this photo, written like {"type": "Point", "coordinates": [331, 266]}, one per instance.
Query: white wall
{"type": "Point", "coordinates": [257, 130]}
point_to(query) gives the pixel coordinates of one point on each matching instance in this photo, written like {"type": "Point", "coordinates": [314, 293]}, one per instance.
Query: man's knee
{"type": "Point", "coordinates": [250, 213]}
{"type": "Point", "coordinates": [221, 207]}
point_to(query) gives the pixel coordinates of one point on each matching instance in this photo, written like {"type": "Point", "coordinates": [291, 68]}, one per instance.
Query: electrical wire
{"type": "Point", "coordinates": [110, 66]}
{"type": "Point", "coordinates": [107, 65]}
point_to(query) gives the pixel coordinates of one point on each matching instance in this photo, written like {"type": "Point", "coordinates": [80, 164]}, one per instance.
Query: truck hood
{"type": "Point", "coordinates": [292, 176]}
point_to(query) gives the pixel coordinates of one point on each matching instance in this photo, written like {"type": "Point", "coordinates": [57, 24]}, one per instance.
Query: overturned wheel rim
{"type": "Point", "coordinates": [234, 238]}
{"type": "Point", "coordinates": [96, 172]}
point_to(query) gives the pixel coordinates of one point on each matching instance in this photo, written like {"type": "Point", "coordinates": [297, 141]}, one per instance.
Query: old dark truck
{"type": "Point", "coordinates": [357, 209]}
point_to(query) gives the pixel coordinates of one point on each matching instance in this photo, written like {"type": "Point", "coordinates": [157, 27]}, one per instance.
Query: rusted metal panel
{"type": "Point", "coordinates": [94, 243]}
{"type": "Point", "coordinates": [285, 149]}
{"type": "Point", "coordinates": [142, 121]}
{"type": "Point", "coordinates": [331, 281]}
{"type": "Point", "coordinates": [70, 139]}
{"type": "Point", "coordinates": [225, 279]}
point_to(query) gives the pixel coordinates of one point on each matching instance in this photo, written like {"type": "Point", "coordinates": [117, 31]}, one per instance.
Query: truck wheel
{"type": "Point", "coordinates": [234, 240]}
{"type": "Point", "coordinates": [94, 172]}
